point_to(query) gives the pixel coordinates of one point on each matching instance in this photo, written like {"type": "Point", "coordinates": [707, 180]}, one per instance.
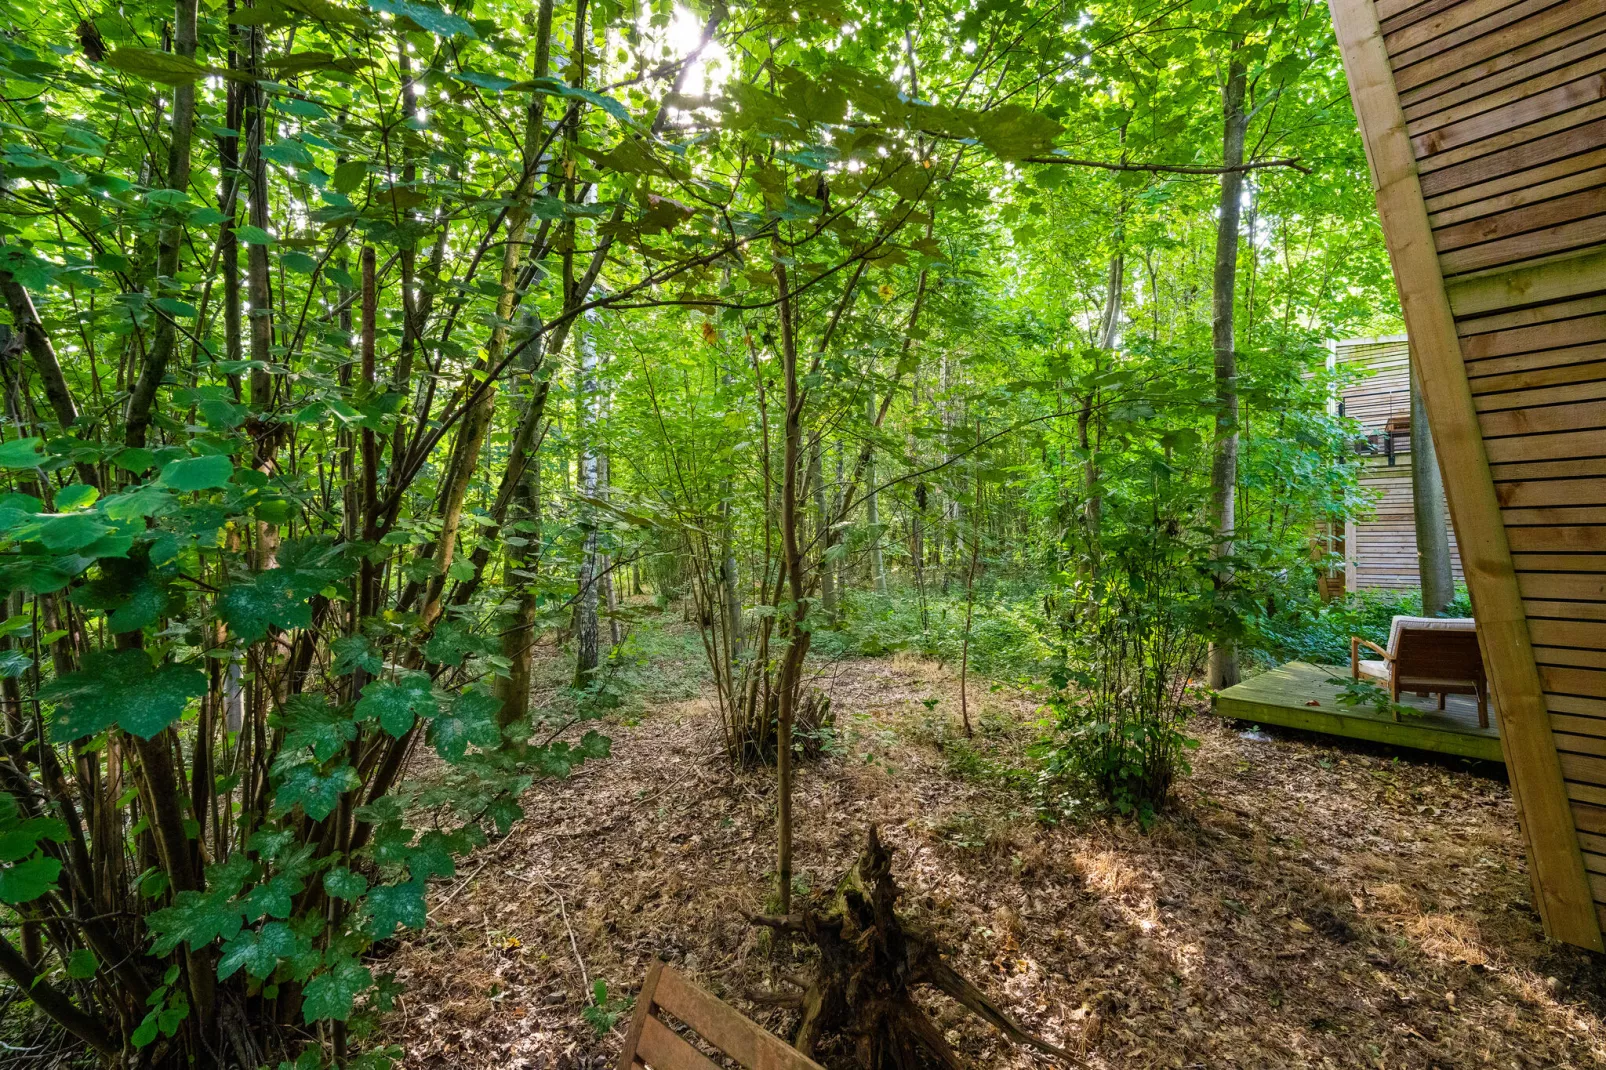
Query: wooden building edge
{"type": "Point", "coordinates": [1484, 123]}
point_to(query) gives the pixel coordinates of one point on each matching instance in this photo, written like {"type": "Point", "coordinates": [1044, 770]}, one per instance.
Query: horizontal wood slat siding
{"type": "Point", "coordinates": [1382, 550]}
{"type": "Point", "coordinates": [1502, 106]}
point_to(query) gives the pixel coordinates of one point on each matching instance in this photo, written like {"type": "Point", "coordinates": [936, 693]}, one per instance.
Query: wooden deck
{"type": "Point", "coordinates": [1284, 697]}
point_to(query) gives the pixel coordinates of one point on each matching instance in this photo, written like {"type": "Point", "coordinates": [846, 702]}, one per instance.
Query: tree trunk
{"type": "Point", "coordinates": [1224, 460]}
{"type": "Point", "coordinates": [797, 646]}
{"type": "Point", "coordinates": [587, 645]}
{"type": "Point", "coordinates": [170, 242]}
{"type": "Point", "coordinates": [823, 535]}
{"type": "Point", "coordinates": [1427, 505]}
{"type": "Point", "coordinates": [872, 514]}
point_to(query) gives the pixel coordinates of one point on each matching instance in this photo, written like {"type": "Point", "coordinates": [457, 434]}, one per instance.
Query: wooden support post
{"type": "Point", "coordinates": [1556, 866]}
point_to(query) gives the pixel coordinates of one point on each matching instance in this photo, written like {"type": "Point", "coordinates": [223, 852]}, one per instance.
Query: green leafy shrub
{"type": "Point", "coordinates": [1316, 631]}
{"type": "Point", "coordinates": [1121, 708]}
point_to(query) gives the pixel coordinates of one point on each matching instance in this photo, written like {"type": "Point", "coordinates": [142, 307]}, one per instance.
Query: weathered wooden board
{"type": "Point", "coordinates": [1284, 697]}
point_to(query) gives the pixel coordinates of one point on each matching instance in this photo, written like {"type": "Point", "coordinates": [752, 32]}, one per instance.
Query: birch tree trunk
{"type": "Point", "coordinates": [872, 513]}
{"type": "Point", "coordinates": [585, 605]}
{"type": "Point", "coordinates": [1224, 460]}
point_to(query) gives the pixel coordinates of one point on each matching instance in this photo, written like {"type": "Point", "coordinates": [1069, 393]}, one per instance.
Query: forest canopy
{"type": "Point", "coordinates": [356, 351]}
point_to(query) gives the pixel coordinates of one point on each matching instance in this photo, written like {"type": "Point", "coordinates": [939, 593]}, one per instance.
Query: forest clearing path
{"type": "Point", "coordinates": [1303, 905]}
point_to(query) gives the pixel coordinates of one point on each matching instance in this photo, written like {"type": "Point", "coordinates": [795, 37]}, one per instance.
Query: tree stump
{"type": "Point", "coordinates": [870, 960]}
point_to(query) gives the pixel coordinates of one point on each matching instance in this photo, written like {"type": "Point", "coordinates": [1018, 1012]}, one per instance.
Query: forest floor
{"type": "Point", "coordinates": [1303, 904]}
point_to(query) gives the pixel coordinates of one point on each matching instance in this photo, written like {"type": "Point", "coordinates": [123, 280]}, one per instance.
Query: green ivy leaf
{"type": "Point", "coordinates": [396, 705]}
{"type": "Point", "coordinates": [197, 473]}
{"type": "Point", "coordinates": [310, 722]}
{"type": "Point", "coordinates": [82, 964]}
{"type": "Point", "coordinates": [134, 594]}
{"type": "Point", "coordinates": [121, 688]}
{"type": "Point", "coordinates": [196, 918]}
{"type": "Point", "coordinates": [273, 897]}
{"type": "Point", "coordinates": [353, 652]}
{"type": "Point", "coordinates": [272, 598]}
{"type": "Point", "coordinates": [258, 952]}
{"type": "Point", "coordinates": [21, 453]}
{"type": "Point", "coordinates": [316, 793]}
{"type": "Point", "coordinates": [342, 883]}
{"type": "Point", "coordinates": [451, 642]}
{"type": "Point", "coordinates": [330, 994]}
{"type": "Point", "coordinates": [471, 718]}
{"type": "Point", "coordinates": [23, 882]}
{"type": "Point", "coordinates": [390, 906]}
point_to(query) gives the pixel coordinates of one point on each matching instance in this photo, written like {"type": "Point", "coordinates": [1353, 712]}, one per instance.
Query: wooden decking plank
{"type": "Point", "coordinates": [1281, 697]}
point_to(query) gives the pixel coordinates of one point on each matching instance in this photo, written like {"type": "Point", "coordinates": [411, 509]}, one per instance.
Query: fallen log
{"type": "Point", "coordinates": [870, 960]}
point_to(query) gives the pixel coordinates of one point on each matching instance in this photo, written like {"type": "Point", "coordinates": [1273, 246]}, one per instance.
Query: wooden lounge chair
{"type": "Point", "coordinates": [652, 1043]}
{"type": "Point", "coordinates": [1428, 656]}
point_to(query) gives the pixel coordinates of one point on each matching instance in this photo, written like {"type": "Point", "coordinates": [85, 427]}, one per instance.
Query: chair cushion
{"type": "Point", "coordinates": [1377, 671]}
{"type": "Point", "coordinates": [1427, 624]}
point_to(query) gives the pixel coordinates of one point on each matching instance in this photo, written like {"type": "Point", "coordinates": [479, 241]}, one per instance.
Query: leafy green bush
{"type": "Point", "coordinates": [1317, 631]}
{"type": "Point", "coordinates": [1121, 705]}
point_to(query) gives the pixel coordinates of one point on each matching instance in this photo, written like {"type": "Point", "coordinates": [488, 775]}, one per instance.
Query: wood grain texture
{"type": "Point", "coordinates": [1521, 63]}
{"type": "Point", "coordinates": [1545, 19]}
{"type": "Point", "coordinates": [1580, 273]}
{"type": "Point", "coordinates": [1542, 795]}
{"type": "Point", "coordinates": [1565, 148]}
{"type": "Point", "coordinates": [1588, 87]}
{"type": "Point", "coordinates": [1467, 22]}
{"type": "Point", "coordinates": [1548, 68]}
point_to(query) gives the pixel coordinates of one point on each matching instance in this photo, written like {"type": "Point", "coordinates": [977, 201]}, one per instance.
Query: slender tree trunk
{"type": "Point", "coordinates": [823, 535]}
{"type": "Point", "coordinates": [170, 242]}
{"type": "Point", "coordinates": [610, 590]}
{"type": "Point", "coordinates": [730, 578]}
{"type": "Point", "coordinates": [1224, 460]}
{"type": "Point", "coordinates": [1427, 506]}
{"type": "Point", "coordinates": [587, 652]}
{"type": "Point", "coordinates": [872, 513]}
{"type": "Point", "coordinates": [797, 647]}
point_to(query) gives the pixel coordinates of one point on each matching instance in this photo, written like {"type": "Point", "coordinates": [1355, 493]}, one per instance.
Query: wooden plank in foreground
{"type": "Point", "coordinates": [1282, 697]}
{"type": "Point", "coordinates": [1491, 267]}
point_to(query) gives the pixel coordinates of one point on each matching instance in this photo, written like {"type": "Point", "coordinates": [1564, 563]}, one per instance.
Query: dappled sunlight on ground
{"type": "Point", "coordinates": [1303, 905]}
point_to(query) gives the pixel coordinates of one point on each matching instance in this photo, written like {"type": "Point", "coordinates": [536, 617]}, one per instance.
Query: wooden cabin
{"type": "Point", "coordinates": [1485, 127]}
{"type": "Point", "coordinates": [1379, 548]}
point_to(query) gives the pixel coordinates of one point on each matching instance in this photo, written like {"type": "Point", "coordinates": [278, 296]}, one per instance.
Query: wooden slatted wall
{"type": "Point", "coordinates": [1380, 548]}
{"type": "Point", "coordinates": [1485, 123]}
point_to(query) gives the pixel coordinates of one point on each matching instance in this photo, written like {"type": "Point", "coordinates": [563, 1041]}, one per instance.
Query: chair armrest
{"type": "Point", "coordinates": [1355, 644]}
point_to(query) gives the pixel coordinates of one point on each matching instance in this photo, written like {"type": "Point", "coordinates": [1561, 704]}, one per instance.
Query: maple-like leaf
{"type": "Point", "coordinates": [122, 688]}
{"type": "Point", "coordinates": [258, 952]}
{"type": "Point", "coordinates": [397, 704]}
{"type": "Point", "coordinates": [342, 883]}
{"type": "Point", "coordinates": [354, 652]}
{"type": "Point", "coordinates": [390, 906]}
{"type": "Point", "coordinates": [316, 793]}
{"type": "Point", "coordinates": [330, 994]}
{"type": "Point", "coordinates": [310, 722]}
{"type": "Point", "coordinates": [471, 718]}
